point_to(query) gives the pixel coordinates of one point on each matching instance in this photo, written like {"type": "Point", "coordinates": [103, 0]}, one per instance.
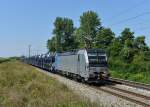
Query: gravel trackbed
{"type": "Point", "coordinates": [92, 94]}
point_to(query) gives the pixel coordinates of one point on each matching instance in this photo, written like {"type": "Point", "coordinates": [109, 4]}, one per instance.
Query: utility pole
{"type": "Point", "coordinates": [29, 50]}
{"type": "Point", "coordinates": [37, 52]}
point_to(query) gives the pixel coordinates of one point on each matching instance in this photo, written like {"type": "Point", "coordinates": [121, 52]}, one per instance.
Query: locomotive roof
{"type": "Point", "coordinates": [73, 52]}
{"type": "Point", "coordinates": [95, 50]}
{"type": "Point", "coordinates": [67, 53]}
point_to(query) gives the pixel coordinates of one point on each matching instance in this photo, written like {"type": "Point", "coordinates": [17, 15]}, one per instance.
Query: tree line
{"type": "Point", "coordinates": [126, 51]}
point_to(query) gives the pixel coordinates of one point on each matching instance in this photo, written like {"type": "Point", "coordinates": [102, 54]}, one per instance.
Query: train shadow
{"type": "Point", "coordinates": [104, 83]}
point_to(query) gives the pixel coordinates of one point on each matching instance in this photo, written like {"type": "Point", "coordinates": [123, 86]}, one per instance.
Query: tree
{"type": "Point", "coordinates": [89, 24]}
{"type": "Point", "coordinates": [127, 52]}
{"type": "Point", "coordinates": [58, 28]}
{"type": "Point", "coordinates": [139, 44]}
{"type": "Point", "coordinates": [115, 48]}
{"type": "Point", "coordinates": [127, 39]}
{"type": "Point", "coordinates": [63, 30]}
{"type": "Point", "coordinates": [51, 44]}
{"type": "Point", "coordinates": [126, 34]}
{"type": "Point", "coordinates": [104, 38]}
{"type": "Point", "coordinates": [80, 43]}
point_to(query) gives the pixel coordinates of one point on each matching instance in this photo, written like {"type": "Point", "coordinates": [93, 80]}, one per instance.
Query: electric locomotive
{"type": "Point", "coordinates": [85, 64]}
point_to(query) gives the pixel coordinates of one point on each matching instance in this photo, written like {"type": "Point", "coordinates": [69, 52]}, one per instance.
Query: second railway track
{"type": "Point", "coordinates": [128, 95]}
{"type": "Point", "coordinates": [131, 83]}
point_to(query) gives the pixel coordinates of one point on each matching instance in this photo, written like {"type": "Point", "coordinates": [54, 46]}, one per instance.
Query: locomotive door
{"type": "Point", "coordinates": [81, 65]}
{"type": "Point", "coordinates": [78, 64]}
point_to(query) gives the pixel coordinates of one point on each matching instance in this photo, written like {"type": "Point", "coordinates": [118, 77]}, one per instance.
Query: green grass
{"type": "Point", "coordinates": [23, 86]}
{"type": "Point", "coordinates": [143, 77]}
{"type": "Point", "coordinates": [4, 59]}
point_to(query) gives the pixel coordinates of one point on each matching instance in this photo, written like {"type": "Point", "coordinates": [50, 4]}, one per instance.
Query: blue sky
{"type": "Point", "coordinates": [24, 22]}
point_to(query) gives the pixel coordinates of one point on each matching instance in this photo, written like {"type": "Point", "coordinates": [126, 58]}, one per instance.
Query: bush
{"type": "Point", "coordinates": [138, 70]}
{"type": "Point", "coordinates": [4, 60]}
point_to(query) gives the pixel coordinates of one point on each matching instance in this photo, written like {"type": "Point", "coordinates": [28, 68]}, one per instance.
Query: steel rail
{"type": "Point", "coordinates": [130, 83]}
{"type": "Point", "coordinates": [130, 92]}
{"type": "Point", "coordinates": [126, 95]}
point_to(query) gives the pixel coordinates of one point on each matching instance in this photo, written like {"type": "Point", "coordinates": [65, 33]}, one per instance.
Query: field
{"type": "Point", "coordinates": [23, 86]}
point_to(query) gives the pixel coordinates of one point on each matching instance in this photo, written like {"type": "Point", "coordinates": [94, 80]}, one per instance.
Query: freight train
{"type": "Point", "coordinates": [86, 65]}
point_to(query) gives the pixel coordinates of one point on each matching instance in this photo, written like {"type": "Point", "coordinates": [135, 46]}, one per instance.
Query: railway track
{"type": "Point", "coordinates": [130, 83]}
{"type": "Point", "coordinates": [128, 95]}
{"type": "Point", "coordinates": [124, 94]}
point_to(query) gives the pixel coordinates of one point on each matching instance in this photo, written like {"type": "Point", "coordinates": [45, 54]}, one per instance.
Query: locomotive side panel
{"type": "Point", "coordinates": [82, 66]}
{"type": "Point", "coordinates": [67, 63]}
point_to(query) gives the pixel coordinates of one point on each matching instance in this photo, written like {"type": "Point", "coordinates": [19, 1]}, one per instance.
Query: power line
{"type": "Point", "coordinates": [131, 18]}
{"type": "Point", "coordinates": [137, 24]}
{"type": "Point", "coordinates": [143, 28]}
{"type": "Point", "coordinates": [129, 9]}
{"type": "Point", "coordinates": [137, 29]}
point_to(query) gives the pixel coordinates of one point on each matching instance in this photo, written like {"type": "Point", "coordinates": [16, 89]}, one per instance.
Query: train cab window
{"type": "Point", "coordinates": [97, 58]}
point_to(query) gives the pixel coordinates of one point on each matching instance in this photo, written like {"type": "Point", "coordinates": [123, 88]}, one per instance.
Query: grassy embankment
{"type": "Point", "coordinates": [23, 86]}
{"type": "Point", "coordinates": [3, 59]}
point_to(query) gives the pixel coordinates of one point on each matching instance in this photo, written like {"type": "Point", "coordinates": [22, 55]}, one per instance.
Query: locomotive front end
{"type": "Point", "coordinates": [98, 67]}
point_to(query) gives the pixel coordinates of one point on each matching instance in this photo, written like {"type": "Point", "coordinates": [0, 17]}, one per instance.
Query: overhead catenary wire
{"type": "Point", "coordinates": [139, 25]}
{"type": "Point", "coordinates": [141, 22]}
{"type": "Point", "coordinates": [131, 18]}
{"type": "Point", "coordinates": [142, 29]}
{"type": "Point", "coordinates": [128, 9]}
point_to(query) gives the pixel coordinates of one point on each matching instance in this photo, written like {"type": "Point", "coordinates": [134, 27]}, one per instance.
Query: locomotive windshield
{"type": "Point", "coordinates": [97, 58]}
